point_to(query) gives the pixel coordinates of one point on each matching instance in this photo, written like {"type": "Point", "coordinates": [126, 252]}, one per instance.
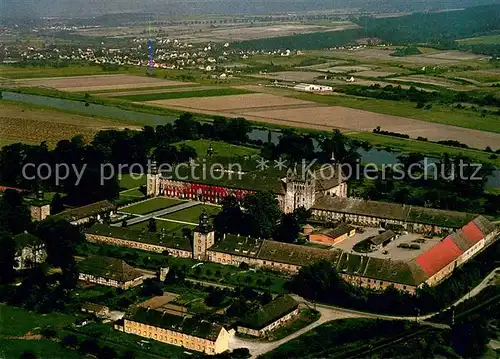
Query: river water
{"type": "Point", "coordinates": [375, 156]}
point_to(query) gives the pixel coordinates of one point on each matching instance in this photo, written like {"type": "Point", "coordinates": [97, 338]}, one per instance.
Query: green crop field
{"type": "Point", "coordinates": [185, 94]}
{"type": "Point", "coordinates": [18, 321]}
{"type": "Point", "coordinates": [192, 214]}
{"type": "Point", "coordinates": [486, 40]}
{"type": "Point", "coordinates": [220, 148]}
{"type": "Point", "coordinates": [152, 205]}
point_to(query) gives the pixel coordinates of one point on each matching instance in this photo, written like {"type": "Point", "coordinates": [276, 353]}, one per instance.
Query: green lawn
{"type": "Point", "coordinates": [192, 214]}
{"type": "Point", "coordinates": [439, 113]}
{"type": "Point", "coordinates": [133, 192]}
{"type": "Point", "coordinates": [170, 227]}
{"type": "Point", "coordinates": [184, 94]}
{"type": "Point", "coordinates": [127, 182]}
{"type": "Point", "coordinates": [43, 349]}
{"type": "Point", "coordinates": [123, 342]}
{"type": "Point", "coordinates": [236, 277]}
{"type": "Point", "coordinates": [152, 205]}
{"type": "Point", "coordinates": [18, 321]}
{"type": "Point", "coordinates": [220, 148]}
{"type": "Point", "coordinates": [427, 148]}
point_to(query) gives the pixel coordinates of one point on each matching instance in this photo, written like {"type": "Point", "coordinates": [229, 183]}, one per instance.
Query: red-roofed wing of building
{"type": "Point", "coordinates": [438, 257]}
{"type": "Point", "coordinates": [472, 232]}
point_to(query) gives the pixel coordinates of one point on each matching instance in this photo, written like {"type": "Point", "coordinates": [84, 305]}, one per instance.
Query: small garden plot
{"type": "Point", "coordinates": [152, 205]}
{"type": "Point", "coordinates": [192, 215]}
{"type": "Point", "coordinates": [238, 277]}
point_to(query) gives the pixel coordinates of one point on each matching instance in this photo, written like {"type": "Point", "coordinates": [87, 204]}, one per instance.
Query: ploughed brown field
{"type": "Point", "coordinates": [230, 103]}
{"type": "Point", "coordinates": [280, 110]}
{"type": "Point", "coordinates": [97, 82]}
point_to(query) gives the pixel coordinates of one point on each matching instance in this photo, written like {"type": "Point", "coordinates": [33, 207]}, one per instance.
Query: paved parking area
{"type": "Point", "coordinates": [391, 250]}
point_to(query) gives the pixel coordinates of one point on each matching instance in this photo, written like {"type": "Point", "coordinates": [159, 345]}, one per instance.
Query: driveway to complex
{"type": "Point", "coordinates": [329, 313]}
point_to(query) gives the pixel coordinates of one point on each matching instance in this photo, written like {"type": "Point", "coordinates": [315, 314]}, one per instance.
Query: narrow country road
{"type": "Point", "coordinates": [258, 347]}
{"type": "Point", "coordinates": [329, 313]}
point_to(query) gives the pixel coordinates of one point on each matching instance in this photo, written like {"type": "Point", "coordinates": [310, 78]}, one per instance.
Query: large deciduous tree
{"type": "Point", "coordinates": [61, 239]}
{"type": "Point", "coordinates": [14, 214]}
{"type": "Point", "coordinates": [262, 213]}
{"type": "Point", "coordinates": [7, 252]}
{"type": "Point", "coordinates": [230, 219]}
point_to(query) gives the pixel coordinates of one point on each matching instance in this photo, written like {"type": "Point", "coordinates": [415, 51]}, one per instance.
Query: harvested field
{"type": "Point", "coordinates": [33, 125]}
{"type": "Point", "coordinates": [97, 83]}
{"type": "Point", "coordinates": [230, 103]}
{"type": "Point", "coordinates": [384, 55]}
{"type": "Point", "coordinates": [351, 119]}
{"type": "Point", "coordinates": [286, 111]}
{"type": "Point", "coordinates": [455, 55]}
{"type": "Point", "coordinates": [485, 76]}
{"type": "Point", "coordinates": [268, 31]}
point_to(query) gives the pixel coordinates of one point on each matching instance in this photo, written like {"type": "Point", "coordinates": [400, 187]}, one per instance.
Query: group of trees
{"type": "Point", "coordinates": [444, 188]}
{"type": "Point", "coordinates": [260, 216]}
{"type": "Point", "coordinates": [320, 281]}
{"type": "Point", "coordinates": [422, 98]}
{"type": "Point", "coordinates": [14, 219]}
{"type": "Point", "coordinates": [296, 147]}
{"type": "Point", "coordinates": [38, 290]}
{"type": "Point", "coordinates": [111, 147]}
{"type": "Point", "coordinates": [440, 29]}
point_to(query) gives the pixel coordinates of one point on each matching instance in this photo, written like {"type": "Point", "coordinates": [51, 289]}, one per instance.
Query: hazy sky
{"type": "Point", "coordinates": [79, 8]}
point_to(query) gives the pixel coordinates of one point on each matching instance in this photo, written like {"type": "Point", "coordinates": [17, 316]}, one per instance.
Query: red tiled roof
{"type": "Point", "coordinates": [4, 188]}
{"type": "Point", "coordinates": [438, 257]}
{"type": "Point", "coordinates": [472, 232]}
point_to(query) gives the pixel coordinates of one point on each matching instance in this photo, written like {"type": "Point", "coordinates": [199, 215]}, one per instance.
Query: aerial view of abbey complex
{"type": "Point", "coordinates": [250, 179]}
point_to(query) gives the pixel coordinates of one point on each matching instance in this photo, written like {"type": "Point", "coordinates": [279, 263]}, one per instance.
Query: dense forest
{"type": "Point", "coordinates": [440, 29]}
{"type": "Point", "coordinates": [437, 28]}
